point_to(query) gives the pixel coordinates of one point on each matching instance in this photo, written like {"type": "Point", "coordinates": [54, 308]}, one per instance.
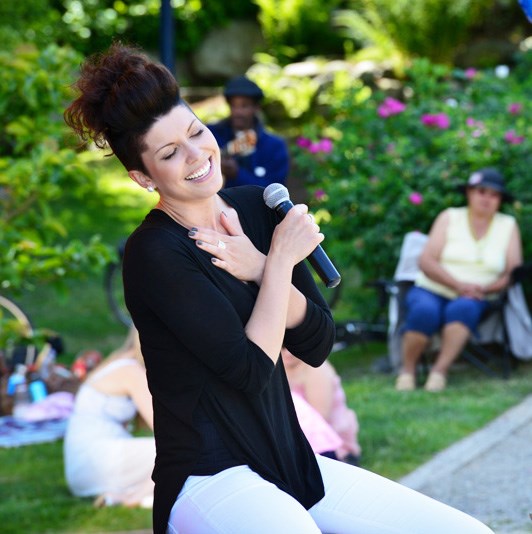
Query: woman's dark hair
{"type": "Point", "coordinates": [122, 93]}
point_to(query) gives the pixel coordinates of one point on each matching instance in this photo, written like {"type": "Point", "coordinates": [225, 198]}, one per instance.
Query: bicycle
{"type": "Point", "coordinates": [353, 331]}
{"type": "Point", "coordinates": [16, 347]}
{"type": "Point", "coordinates": [15, 328]}
{"type": "Point", "coordinates": [114, 288]}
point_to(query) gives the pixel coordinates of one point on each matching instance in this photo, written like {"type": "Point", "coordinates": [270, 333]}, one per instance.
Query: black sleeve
{"type": "Point", "coordinates": [313, 339]}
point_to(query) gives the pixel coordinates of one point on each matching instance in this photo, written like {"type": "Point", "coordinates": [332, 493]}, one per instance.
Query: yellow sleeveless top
{"type": "Point", "coordinates": [477, 261]}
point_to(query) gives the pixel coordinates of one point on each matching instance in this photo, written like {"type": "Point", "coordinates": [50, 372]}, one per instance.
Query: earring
{"type": "Point", "coordinates": [150, 189]}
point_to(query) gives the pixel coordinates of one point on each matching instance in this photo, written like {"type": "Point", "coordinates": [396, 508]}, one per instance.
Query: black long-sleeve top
{"type": "Point", "coordinates": [191, 317]}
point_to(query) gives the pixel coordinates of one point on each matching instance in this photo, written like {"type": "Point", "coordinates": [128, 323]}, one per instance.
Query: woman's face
{"type": "Point", "coordinates": [484, 200]}
{"type": "Point", "coordinates": [182, 157]}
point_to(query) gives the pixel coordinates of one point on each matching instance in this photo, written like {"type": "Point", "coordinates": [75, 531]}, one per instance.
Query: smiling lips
{"type": "Point", "coordinates": [202, 171]}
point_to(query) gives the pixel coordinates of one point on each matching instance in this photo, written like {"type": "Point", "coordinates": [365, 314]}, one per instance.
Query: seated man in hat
{"type": "Point", "coordinates": [250, 154]}
{"type": "Point", "coordinates": [466, 261]}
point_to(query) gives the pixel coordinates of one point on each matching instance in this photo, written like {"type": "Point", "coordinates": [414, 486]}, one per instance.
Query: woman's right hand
{"type": "Point", "coordinates": [473, 291]}
{"type": "Point", "coordinates": [297, 235]}
{"type": "Point", "coordinates": [238, 256]}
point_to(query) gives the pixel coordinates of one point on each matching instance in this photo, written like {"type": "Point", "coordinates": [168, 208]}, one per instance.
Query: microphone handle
{"type": "Point", "coordinates": [318, 258]}
{"type": "Point", "coordinates": [324, 267]}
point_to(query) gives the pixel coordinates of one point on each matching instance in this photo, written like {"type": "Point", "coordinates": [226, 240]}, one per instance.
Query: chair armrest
{"type": "Point", "coordinates": [520, 273]}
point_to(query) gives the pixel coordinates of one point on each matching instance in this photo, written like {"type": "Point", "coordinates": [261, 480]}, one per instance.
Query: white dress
{"type": "Point", "coordinates": [101, 456]}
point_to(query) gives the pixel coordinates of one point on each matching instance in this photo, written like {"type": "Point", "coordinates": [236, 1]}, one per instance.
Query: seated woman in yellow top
{"type": "Point", "coordinates": [467, 260]}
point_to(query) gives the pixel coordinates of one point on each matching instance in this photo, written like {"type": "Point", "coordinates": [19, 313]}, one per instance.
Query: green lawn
{"type": "Point", "coordinates": [399, 431]}
{"type": "Point", "coordinates": [34, 497]}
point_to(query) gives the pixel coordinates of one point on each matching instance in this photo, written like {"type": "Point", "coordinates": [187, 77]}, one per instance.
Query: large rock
{"type": "Point", "coordinates": [228, 51]}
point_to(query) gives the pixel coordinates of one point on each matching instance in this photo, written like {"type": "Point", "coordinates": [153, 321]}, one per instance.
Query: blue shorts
{"type": "Point", "coordinates": [427, 312]}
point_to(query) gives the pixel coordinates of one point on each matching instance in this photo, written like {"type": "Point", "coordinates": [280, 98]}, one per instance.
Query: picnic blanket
{"type": "Point", "coordinates": [40, 422]}
{"type": "Point", "coordinates": [15, 432]}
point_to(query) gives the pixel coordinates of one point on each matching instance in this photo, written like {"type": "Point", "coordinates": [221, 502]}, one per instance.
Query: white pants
{"type": "Point", "coordinates": [238, 501]}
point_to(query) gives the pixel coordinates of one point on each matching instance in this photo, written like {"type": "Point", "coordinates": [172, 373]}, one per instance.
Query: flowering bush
{"type": "Point", "coordinates": [391, 165]}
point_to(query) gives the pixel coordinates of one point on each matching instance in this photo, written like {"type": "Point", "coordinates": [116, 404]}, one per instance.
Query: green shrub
{"type": "Point", "coordinates": [383, 167]}
{"type": "Point", "coordinates": [33, 21]}
{"type": "Point", "coordinates": [298, 28]}
{"type": "Point", "coordinates": [395, 31]}
{"type": "Point", "coordinates": [296, 93]}
{"type": "Point", "coordinates": [37, 172]}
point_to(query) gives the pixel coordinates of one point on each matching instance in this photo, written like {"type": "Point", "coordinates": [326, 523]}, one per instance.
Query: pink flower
{"type": "Point", "coordinates": [436, 120]}
{"type": "Point", "coordinates": [326, 145]}
{"type": "Point", "coordinates": [303, 142]}
{"type": "Point", "coordinates": [320, 194]}
{"type": "Point", "coordinates": [415, 198]}
{"type": "Point", "coordinates": [515, 108]}
{"type": "Point", "coordinates": [390, 107]}
{"type": "Point", "coordinates": [512, 138]}
{"type": "Point", "coordinates": [470, 73]}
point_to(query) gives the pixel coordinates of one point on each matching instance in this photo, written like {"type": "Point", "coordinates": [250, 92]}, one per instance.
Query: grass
{"type": "Point", "coordinates": [399, 431]}
{"type": "Point", "coordinates": [35, 499]}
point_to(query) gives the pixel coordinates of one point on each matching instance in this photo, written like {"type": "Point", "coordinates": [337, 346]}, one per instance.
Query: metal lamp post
{"type": "Point", "coordinates": [166, 35]}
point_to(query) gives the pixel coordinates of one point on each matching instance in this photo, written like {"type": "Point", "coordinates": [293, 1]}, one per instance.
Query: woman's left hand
{"type": "Point", "coordinates": [234, 253]}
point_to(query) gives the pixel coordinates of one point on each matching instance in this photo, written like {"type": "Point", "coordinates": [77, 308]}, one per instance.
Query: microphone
{"type": "Point", "coordinates": [277, 198]}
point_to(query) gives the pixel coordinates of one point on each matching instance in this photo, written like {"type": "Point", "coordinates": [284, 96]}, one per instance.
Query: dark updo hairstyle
{"type": "Point", "coordinates": [122, 93]}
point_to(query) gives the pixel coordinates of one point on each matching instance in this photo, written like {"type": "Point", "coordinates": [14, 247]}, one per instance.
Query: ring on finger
{"type": "Point", "coordinates": [311, 217]}
{"type": "Point", "coordinates": [221, 244]}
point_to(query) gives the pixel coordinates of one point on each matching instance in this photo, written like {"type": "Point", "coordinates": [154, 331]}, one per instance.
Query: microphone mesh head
{"type": "Point", "coordinates": [274, 194]}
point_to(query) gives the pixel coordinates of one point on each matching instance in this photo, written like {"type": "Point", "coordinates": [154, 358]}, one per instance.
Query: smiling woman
{"type": "Point", "coordinates": [215, 284]}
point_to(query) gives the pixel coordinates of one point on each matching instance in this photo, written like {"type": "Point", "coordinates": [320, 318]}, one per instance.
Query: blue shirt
{"type": "Point", "coordinates": [268, 164]}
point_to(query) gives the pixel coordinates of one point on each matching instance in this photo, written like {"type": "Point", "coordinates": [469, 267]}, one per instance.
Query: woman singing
{"type": "Point", "coordinates": [216, 285]}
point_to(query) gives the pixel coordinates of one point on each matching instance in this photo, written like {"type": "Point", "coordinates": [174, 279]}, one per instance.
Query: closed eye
{"type": "Point", "coordinates": [171, 154]}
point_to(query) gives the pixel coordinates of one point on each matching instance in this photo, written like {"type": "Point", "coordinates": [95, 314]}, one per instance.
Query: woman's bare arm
{"type": "Point", "coordinates": [514, 258]}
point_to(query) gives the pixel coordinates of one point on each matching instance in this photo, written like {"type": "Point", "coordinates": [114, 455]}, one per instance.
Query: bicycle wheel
{"type": "Point", "coordinates": [16, 332]}
{"type": "Point", "coordinates": [115, 293]}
